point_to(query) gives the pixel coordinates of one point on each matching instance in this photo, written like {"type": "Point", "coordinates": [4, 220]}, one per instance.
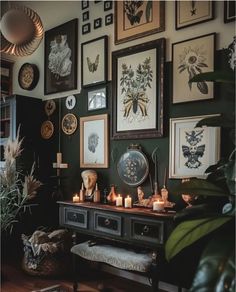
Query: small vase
{"type": "Point", "coordinates": [111, 198]}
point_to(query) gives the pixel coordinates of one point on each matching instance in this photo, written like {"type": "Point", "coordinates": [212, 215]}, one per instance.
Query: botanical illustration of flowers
{"type": "Point", "coordinates": [193, 60]}
{"type": "Point", "coordinates": [134, 84]}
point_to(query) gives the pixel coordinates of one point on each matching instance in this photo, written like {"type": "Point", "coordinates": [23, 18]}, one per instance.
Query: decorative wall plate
{"type": "Point", "coordinates": [133, 167]}
{"type": "Point", "coordinates": [70, 102]}
{"type": "Point", "coordinates": [47, 129]}
{"type": "Point", "coordinates": [69, 124]}
{"type": "Point", "coordinates": [50, 107]}
{"type": "Point", "coordinates": [28, 76]}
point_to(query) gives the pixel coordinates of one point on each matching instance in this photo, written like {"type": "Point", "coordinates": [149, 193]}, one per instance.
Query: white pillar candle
{"type": "Point", "coordinates": [59, 158]}
{"type": "Point", "coordinates": [128, 202]}
{"type": "Point", "coordinates": [76, 199]}
{"type": "Point", "coordinates": [158, 205]}
{"type": "Point", "coordinates": [119, 201]}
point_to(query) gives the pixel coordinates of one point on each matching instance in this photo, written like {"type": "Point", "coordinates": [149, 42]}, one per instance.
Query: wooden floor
{"type": "Point", "coordinates": [14, 279]}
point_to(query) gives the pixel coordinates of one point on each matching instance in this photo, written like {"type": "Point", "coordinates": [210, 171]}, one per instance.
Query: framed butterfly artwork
{"type": "Point", "coordinates": [94, 62]}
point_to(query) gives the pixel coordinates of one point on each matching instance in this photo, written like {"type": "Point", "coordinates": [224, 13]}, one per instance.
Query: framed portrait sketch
{"type": "Point", "coordinates": [189, 13]}
{"type": "Point", "coordinates": [189, 58]}
{"type": "Point", "coordinates": [94, 62]}
{"type": "Point", "coordinates": [192, 150]}
{"type": "Point", "coordinates": [229, 11]}
{"type": "Point", "coordinates": [137, 86]}
{"type": "Point", "coordinates": [135, 19]}
{"type": "Point", "coordinates": [94, 141]}
{"type": "Point", "coordinates": [97, 99]}
{"type": "Point", "coordinates": [60, 64]}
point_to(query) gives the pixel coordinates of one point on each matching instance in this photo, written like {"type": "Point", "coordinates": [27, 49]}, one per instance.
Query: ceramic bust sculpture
{"type": "Point", "coordinates": [89, 180]}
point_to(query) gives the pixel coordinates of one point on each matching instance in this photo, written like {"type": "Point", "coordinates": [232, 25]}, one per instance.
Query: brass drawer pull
{"type": "Point", "coordinates": [107, 222]}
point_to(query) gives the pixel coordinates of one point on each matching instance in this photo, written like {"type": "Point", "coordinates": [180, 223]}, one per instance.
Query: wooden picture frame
{"type": "Point", "coordinates": [6, 78]}
{"type": "Point", "coordinates": [60, 68]}
{"type": "Point", "coordinates": [84, 4]}
{"type": "Point", "coordinates": [138, 102]}
{"type": "Point", "coordinates": [108, 5]}
{"type": "Point", "coordinates": [189, 58]}
{"type": "Point", "coordinates": [146, 18]}
{"type": "Point", "coordinates": [229, 11]}
{"type": "Point", "coordinates": [188, 13]}
{"type": "Point", "coordinates": [192, 150]}
{"type": "Point", "coordinates": [97, 99]}
{"type": "Point", "coordinates": [86, 28]}
{"type": "Point", "coordinates": [85, 15]}
{"type": "Point", "coordinates": [97, 23]}
{"type": "Point", "coordinates": [94, 141]}
{"type": "Point", "coordinates": [94, 62]}
{"type": "Point", "coordinates": [109, 19]}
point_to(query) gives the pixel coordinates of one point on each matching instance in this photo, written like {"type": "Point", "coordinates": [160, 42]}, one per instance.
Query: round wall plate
{"type": "Point", "coordinates": [47, 129]}
{"type": "Point", "coordinates": [28, 76]}
{"type": "Point", "coordinates": [69, 124]}
{"type": "Point", "coordinates": [50, 107]}
{"type": "Point", "coordinates": [70, 102]}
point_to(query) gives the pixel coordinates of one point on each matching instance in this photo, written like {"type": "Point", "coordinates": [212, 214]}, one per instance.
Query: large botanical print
{"type": "Point", "coordinates": [192, 149]}
{"type": "Point", "coordinates": [190, 58]}
{"type": "Point", "coordinates": [138, 90]}
{"type": "Point", "coordinates": [61, 58]}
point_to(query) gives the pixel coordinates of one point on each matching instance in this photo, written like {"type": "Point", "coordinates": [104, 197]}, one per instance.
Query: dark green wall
{"type": "Point", "coordinates": [70, 145]}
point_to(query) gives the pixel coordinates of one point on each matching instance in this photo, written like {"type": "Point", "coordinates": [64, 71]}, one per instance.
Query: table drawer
{"type": "Point", "coordinates": [110, 224]}
{"type": "Point", "coordinates": [76, 217]}
{"type": "Point", "coordinates": [147, 230]}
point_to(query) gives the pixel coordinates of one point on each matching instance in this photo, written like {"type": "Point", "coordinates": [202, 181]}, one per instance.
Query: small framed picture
{"type": "Point", "coordinates": [86, 28]}
{"type": "Point", "coordinates": [109, 19]}
{"type": "Point", "coordinates": [97, 99]}
{"type": "Point", "coordinates": [84, 4]}
{"type": "Point", "coordinates": [107, 5]}
{"type": "Point", "coordinates": [85, 15]}
{"type": "Point", "coordinates": [229, 11]}
{"type": "Point", "coordinates": [97, 23]}
{"type": "Point", "coordinates": [97, 1]}
{"type": "Point", "coordinates": [192, 150]}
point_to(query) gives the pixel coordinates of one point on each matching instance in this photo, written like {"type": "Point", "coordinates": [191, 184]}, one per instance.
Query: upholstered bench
{"type": "Point", "coordinates": [118, 257]}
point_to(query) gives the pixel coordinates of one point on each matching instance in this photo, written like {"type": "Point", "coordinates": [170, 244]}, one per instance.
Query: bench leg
{"type": "Point", "coordinates": [154, 273]}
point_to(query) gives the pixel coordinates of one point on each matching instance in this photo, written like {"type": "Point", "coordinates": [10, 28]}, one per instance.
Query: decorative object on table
{"type": "Point", "coordinates": [192, 149]}
{"type": "Point", "coordinates": [84, 4]}
{"type": "Point", "coordinates": [156, 184]}
{"type": "Point", "coordinates": [142, 202]}
{"type": "Point", "coordinates": [61, 58]}
{"type": "Point", "coordinates": [94, 141]}
{"type": "Point", "coordinates": [188, 13]}
{"type": "Point", "coordinates": [188, 198]}
{"type": "Point", "coordinates": [86, 28]}
{"type": "Point", "coordinates": [70, 102]}
{"type": "Point", "coordinates": [164, 193]}
{"type": "Point", "coordinates": [133, 166]}
{"type": "Point", "coordinates": [97, 99]}
{"type": "Point", "coordinates": [189, 58]}
{"type": "Point", "coordinates": [136, 19]}
{"type": "Point", "coordinates": [28, 76]}
{"type": "Point", "coordinates": [108, 5]}
{"type": "Point", "coordinates": [47, 130]}
{"type": "Point", "coordinates": [82, 193]}
{"type": "Point", "coordinates": [50, 107]}
{"type": "Point", "coordinates": [128, 202]}
{"type": "Point", "coordinates": [112, 196]}
{"type": "Point", "coordinates": [94, 63]}
{"type": "Point", "coordinates": [119, 201]}
{"type": "Point", "coordinates": [6, 78]}
{"type": "Point", "coordinates": [229, 11]}
{"type": "Point", "coordinates": [85, 15]}
{"type": "Point", "coordinates": [109, 19]}
{"type": "Point", "coordinates": [89, 177]}
{"type": "Point", "coordinates": [138, 101]}
{"type": "Point", "coordinates": [21, 31]}
{"type": "Point", "coordinates": [76, 198]}
{"type": "Point", "coordinates": [97, 23]}
{"type": "Point", "coordinates": [97, 195]}
{"type": "Point", "coordinates": [159, 206]}
{"type": "Point", "coordinates": [69, 124]}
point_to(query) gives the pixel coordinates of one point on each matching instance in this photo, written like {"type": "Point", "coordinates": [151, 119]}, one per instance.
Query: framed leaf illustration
{"type": "Point", "coordinates": [189, 58]}
{"type": "Point", "coordinates": [94, 62]}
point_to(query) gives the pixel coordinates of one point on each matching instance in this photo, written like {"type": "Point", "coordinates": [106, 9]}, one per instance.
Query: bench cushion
{"type": "Point", "coordinates": [118, 257]}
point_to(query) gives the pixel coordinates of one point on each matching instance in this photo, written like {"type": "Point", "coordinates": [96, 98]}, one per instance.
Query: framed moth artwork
{"type": "Point", "coordinates": [229, 11]}
{"type": "Point", "coordinates": [192, 150]}
{"type": "Point", "coordinates": [137, 85]}
{"type": "Point", "coordinates": [188, 13]}
{"type": "Point", "coordinates": [94, 141]}
{"type": "Point", "coordinates": [136, 19]}
{"type": "Point", "coordinates": [94, 62]}
{"type": "Point", "coordinates": [189, 58]}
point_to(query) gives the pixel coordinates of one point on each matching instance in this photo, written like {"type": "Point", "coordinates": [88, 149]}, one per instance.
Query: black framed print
{"type": "Point", "coordinates": [109, 19]}
{"type": "Point", "coordinates": [60, 63]}
{"type": "Point", "coordinates": [107, 5]}
{"type": "Point", "coordinates": [86, 28]}
{"type": "Point", "coordinates": [85, 15]}
{"type": "Point", "coordinates": [94, 61]}
{"type": "Point", "coordinates": [229, 11]}
{"type": "Point", "coordinates": [84, 4]}
{"type": "Point", "coordinates": [97, 23]}
{"type": "Point", "coordinates": [188, 13]}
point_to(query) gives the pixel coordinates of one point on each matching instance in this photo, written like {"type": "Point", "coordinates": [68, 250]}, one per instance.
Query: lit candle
{"type": "Point", "coordinates": [119, 201]}
{"type": "Point", "coordinates": [76, 199]}
{"type": "Point", "coordinates": [128, 202]}
{"type": "Point", "coordinates": [158, 205]}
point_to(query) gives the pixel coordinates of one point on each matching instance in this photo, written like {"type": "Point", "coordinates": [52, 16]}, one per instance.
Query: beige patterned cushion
{"type": "Point", "coordinates": [115, 256]}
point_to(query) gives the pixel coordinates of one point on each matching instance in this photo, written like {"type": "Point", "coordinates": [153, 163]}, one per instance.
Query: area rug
{"type": "Point", "coordinates": [54, 288]}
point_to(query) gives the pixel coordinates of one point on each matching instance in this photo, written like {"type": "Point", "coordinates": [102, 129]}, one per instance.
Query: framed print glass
{"type": "Point", "coordinates": [97, 23]}
{"type": "Point", "coordinates": [60, 65]}
{"type": "Point", "coordinates": [189, 58]}
{"type": "Point", "coordinates": [229, 11]}
{"type": "Point", "coordinates": [189, 13]}
{"type": "Point", "coordinates": [192, 150]}
{"type": "Point", "coordinates": [86, 15]}
{"type": "Point", "coordinates": [86, 28]}
{"type": "Point", "coordinates": [94, 62]}
{"type": "Point", "coordinates": [137, 88]}
{"type": "Point", "coordinates": [94, 141]}
{"type": "Point", "coordinates": [97, 99]}
{"type": "Point", "coordinates": [136, 19]}
{"type": "Point", "coordinates": [109, 19]}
